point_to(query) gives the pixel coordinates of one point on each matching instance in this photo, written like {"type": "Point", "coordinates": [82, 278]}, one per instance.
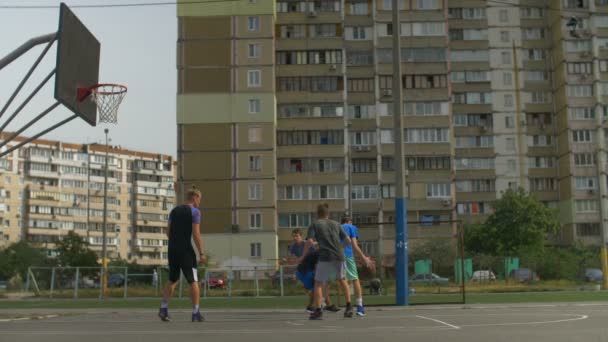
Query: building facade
{"type": "Point", "coordinates": [47, 186]}
{"type": "Point", "coordinates": [285, 104]}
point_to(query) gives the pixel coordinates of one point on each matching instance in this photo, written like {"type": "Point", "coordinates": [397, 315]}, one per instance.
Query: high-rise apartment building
{"type": "Point", "coordinates": [47, 186]}
{"type": "Point", "coordinates": [285, 104]}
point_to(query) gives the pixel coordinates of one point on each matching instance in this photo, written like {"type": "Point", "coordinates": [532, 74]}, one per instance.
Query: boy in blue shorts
{"type": "Point", "coordinates": [306, 274]}
{"type": "Point", "coordinates": [350, 265]}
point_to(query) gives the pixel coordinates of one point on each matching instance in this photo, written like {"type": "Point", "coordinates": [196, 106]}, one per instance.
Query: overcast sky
{"type": "Point", "coordinates": [137, 49]}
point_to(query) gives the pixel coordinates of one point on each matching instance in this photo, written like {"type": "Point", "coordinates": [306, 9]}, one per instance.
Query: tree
{"type": "Point", "coordinates": [18, 257]}
{"type": "Point", "coordinates": [74, 251]}
{"type": "Point", "coordinates": [519, 222]}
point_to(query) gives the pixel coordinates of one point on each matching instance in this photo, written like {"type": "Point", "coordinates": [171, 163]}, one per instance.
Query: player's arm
{"type": "Point", "coordinates": [344, 238]}
{"type": "Point", "coordinates": [198, 241]}
{"type": "Point", "coordinates": [359, 251]}
{"type": "Point", "coordinates": [168, 230]}
{"type": "Point", "coordinates": [310, 236]}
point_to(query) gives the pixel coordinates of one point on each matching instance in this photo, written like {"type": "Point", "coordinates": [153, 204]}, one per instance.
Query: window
{"type": "Point", "coordinates": [427, 4]}
{"type": "Point", "coordinates": [427, 163]}
{"type": "Point", "coordinates": [534, 54]}
{"type": "Point", "coordinates": [580, 90]}
{"type": "Point", "coordinates": [503, 15]}
{"type": "Point", "coordinates": [431, 54]}
{"type": "Point", "coordinates": [426, 108]}
{"type": "Point", "coordinates": [508, 100]}
{"type": "Point", "coordinates": [470, 76]}
{"type": "Point", "coordinates": [429, 29]}
{"type": "Point", "coordinates": [255, 163]}
{"type": "Point", "coordinates": [253, 23]}
{"type": "Point", "coordinates": [467, 13]}
{"type": "Point", "coordinates": [254, 106]}
{"type": "Point", "coordinates": [583, 135]}
{"type": "Point", "coordinates": [255, 220]}
{"type": "Point", "coordinates": [363, 138]}
{"type": "Point", "coordinates": [588, 229]}
{"type": "Point", "coordinates": [360, 57]}
{"type": "Point", "coordinates": [322, 31]}
{"type": "Point", "coordinates": [603, 65]}
{"type": "Point", "coordinates": [506, 57]}
{"type": "Point", "coordinates": [426, 135]}
{"type": "Point", "coordinates": [475, 185]}
{"type": "Point", "coordinates": [483, 141]}
{"type": "Point", "coordinates": [360, 85]}
{"type": "Point", "coordinates": [533, 33]}
{"type": "Point", "coordinates": [358, 33]}
{"type": "Point", "coordinates": [472, 98]}
{"type": "Point", "coordinates": [585, 159]}
{"type": "Point", "coordinates": [575, 3]}
{"type": "Point", "coordinates": [540, 97]}
{"type": "Point", "coordinates": [438, 190]}
{"type": "Point", "coordinates": [474, 163]}
{"type": "Point", "coordinates": [534, 76]}
{"type": "Point", "coordinates": [294, 220]}
{"type": "Point", "coordinates": [255, 135]}
{"type": "Point", "coordinates": [361, 111]}
{"type": "Point", "coordinates": [255, 192]}
{"type": "Point", "coordinates": [255, 250]}
{"type": "Point", "coordinates": [505, 37]}
{"type": "Point", "coordinates": [328, 137]}
{"type": "Point", "coordinates": [424, 81]}
{"type": "Point", "coordinates": [532, 12]}
{"type": "Point", "coordinates": [364, 192]}
{"type": "Point", "coordinates": [315, 84]}
{"type": "Point", "coordinates": [293, 31]}
{"type": "Point", "coordinates": [511, 165]}
{"type": "Point", "coordinates": [578, 45]}
{"type": "Point", "coordinates": [364, 165]}
{"type": "Point", "coordinates": [584, 68]}
{"type": "Point", "coordinates": [540, 140]}
{"type": "Point", "coordinates": [468, 34]}
{"type": "Point", "coordinates": [253, 50]}
{"type": "Point", "coordinates": [542, 162]}
{"type": "Point", "coordinates": [359, 8]}
{"type": "Point", "coordinates": [325, 110]}
{"type": "Point", "coordinates": [388, 4]}
{"type": "Point", "coordinates": [586, 206]}
{"type": "Point", "coordinates": [543, 184]}
{"type": "Point", "coordinates": [509, 121]}
{"type": "Point", "coordinates": [585, 183]}
{"type": "Point", "coordinates": [510, 144]}
{"type": "Point", "coordinates": [469, 55]}
{"type": "Point", "coordinates": [473, 208]}
{"type": "Point", "coordinates": [254, 78]}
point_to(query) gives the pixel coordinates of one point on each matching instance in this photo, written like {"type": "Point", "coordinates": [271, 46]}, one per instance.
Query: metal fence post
{"type": "Point", "coordinates": [52, 282]}
{"type": "Point", "coordinates": [126, 282]}
{"type": "Point", "coordinates": [257, 285]}
{"type": "Point", "coordinates": [100, 282]}
{"type": "Point", "coordinates": [76, 281]}
{"type": "Point", "coordinates": [230, 276]}
{"type": "Point", "coordinates": [27, 279]}
{"type": "Point", "coordinates": [281, 279]}
{"type": "Point", "coordinates": [158, 277]}
{"type": "Point", "coordinates": [205, 287]}
{"type": "Point", "coordinates": [181, 284]}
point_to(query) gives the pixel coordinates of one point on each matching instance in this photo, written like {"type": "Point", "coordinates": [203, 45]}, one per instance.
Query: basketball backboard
{"type": "Point", "coordinates": [77, 65]}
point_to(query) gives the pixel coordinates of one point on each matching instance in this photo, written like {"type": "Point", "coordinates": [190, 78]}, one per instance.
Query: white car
{"type": "Point", "coordinates": [483, 276]}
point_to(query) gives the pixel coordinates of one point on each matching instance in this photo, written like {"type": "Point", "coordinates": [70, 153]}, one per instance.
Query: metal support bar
{"type": "Point", "coordinates": [26, 101]}
{"type": "Point", "coordinates": [281, 280]}
{"type": "Point", "coordinates": [60, 123]}
{"type": "Point", "coordinates": [27, 76]}
{"type": "Point", "coordinates": [26, 47]}
{"type": "Point", "coordinates": [126, 282]}
{"type": "Point", "coordinates": [27, 280]}
{"type": "Point", "coordinates": [206, 283]}
{"type": "Point", "coordinates": [76, 282]}
{"type": "Point", "coordinates": [52, 282]}
{"type": "Point", "coordinates": [101, 281]}
{"type": "Point", "coordinates": [29, 124]}
{"type": "Point", "coordinates": [257, 284]}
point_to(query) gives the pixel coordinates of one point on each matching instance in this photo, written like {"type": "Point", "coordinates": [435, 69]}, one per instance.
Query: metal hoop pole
{"type": "Point", "coordinates": [27, 125]}
{"type": "Point", "coordinates": [27, 100]}
{"type": "Point", "coordinates": [25, 48]}
{"type": "Point", "coordinates": [2, 154]}
{"type": "Point", "coordinates": [27, 76]}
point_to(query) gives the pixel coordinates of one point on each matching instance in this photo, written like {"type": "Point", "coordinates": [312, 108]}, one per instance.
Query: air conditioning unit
{"type": "Point", "coordinates": [333, 67]}
{"type": "Point", "coordinates": [446, 202]}
{"type": "Point", "coordinates": [387, 92]}
{"type": "Point", "coordinates": [312, 14]}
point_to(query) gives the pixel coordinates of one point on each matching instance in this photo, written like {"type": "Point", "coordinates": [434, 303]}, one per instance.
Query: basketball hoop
{"type": "Point", "coordinates": [107, 97]}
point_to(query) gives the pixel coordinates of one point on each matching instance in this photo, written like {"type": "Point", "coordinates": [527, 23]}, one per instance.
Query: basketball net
{"type": "Point", "coordinates": [108, 98]}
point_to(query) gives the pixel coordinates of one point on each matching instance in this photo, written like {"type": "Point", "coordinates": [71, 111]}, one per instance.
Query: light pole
{"type": "Point", "coordinates": [350, 169]}
{"type": "Point", "coordinates": [400, 201]}
{"type": "Point", "coordinates": [104, 248]}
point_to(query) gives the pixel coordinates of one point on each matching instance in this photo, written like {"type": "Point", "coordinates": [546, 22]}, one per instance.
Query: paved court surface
{"type": "Point", "coordinates": [540, 323]}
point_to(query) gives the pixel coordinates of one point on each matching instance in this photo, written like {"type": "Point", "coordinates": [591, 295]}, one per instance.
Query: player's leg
{"type": "Point", "coordinates": [348, 312]}
{"type": "Point", "coordinates": [321, 279]}
{"type": "Point", "coordinates": [352, 275]}
{"type": "Point", "coordinates": [191, 274]}
{"type": "Point", "coordinates": [174, 272]}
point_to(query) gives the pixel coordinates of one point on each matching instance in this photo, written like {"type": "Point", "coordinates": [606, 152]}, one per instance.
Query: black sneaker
{"type": "Point", "coordinates": [317, 315]}
{"type": "Point", "coordinates": [197, 317]}
{"type": "Point", "coordinates": [163, 314]}
{"type": "Point", "coordinates": [332, 308]}
{"type": "Point", "coordinates": [310, 309]}
{"type": "Point", "coordinates": [348, 313]}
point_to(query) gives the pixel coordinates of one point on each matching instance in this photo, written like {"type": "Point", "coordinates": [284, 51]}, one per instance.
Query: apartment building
{"type": "Point", "coordinates": [47, 186]}
{"type": "Point", "coordinates": [295, 104]}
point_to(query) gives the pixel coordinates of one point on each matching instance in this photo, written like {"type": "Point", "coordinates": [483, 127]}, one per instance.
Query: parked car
{"type": "Point", "coordinates": [3, 284]}
{"type": "Point", "coordinates": [485, 275]}
{"type": "Point", "coordinates": [428, 279]}
{"type": "Point", "coordinates": [116, 280]}
{"type": "Point", "coordinates": [524, 275]}
{"type": "Point", "coordinates": [594, 275]}
{"type": "Point", "coordinates": [217, 280]}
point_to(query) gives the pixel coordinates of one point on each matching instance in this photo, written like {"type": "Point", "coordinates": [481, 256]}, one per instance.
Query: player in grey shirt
{"type": "Point", "coordinates": [328, 234]}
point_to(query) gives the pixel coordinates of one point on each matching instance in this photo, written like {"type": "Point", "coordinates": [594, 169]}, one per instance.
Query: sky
{"type": "Point", "coordinates": [138, 48]}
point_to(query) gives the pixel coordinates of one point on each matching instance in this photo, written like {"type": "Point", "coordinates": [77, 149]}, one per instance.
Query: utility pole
{"type": "Point", "coordinates": [104, 248]}
{"type": "Point", "coordinates": [349, 156]}
{"type": "Point", "coordinates": [401, 248]}
{"type": "Point", "coordinates": [88, 191]}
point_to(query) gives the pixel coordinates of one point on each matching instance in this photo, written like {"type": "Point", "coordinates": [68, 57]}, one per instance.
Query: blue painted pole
{"type": "Point", "coordinates": [401, 250]}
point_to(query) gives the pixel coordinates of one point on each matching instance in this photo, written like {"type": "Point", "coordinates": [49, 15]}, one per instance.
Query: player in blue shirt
{"type": "Point", "coordinates": [352, 275]}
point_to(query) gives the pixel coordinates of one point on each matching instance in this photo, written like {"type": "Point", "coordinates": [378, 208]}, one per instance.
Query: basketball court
{"type": "Point", "coordinates": [542, 322]}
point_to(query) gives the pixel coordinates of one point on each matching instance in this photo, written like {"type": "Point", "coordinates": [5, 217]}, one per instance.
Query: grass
{"type": "Point", "coordinates": [298, 302]}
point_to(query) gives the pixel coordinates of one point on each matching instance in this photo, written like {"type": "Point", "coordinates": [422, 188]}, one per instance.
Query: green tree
{"type": "Point", "coordinates": [519, 222]}
{"type": "Point", "coordinates": [74, 251]}
{"type": "Point", "coordinates": [16, 258]}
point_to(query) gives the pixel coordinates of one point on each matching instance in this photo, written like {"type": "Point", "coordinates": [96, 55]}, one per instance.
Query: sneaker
{"type": "Point", "coordinates": [348, 313]}
{"type": "Point", "coordinates": [163, 314]}
{"type": "Point", "coordinates": [360, 311]}
{"type": "Point", "coordinates": [310, 309]}
{"type": "Point", "coordinates": [317, 315]}
{"type": "Point", "coordinates": [197, 317]}
{"type": "Point", "coordinates": [332, 308]}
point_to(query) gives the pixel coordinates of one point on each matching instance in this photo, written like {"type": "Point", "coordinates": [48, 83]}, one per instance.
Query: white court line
{"type": "Point", "coordinates": [294, 323]}
{"type": "Point", "coordinates": [438, 321]}
{"type": "Point", "coordinates": [579, 318]}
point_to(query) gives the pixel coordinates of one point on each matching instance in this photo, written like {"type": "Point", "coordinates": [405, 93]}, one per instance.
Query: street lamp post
{"type": "Point", "coordinates": [104, 248]}
{"type": "Point", "coordinates": [401, 248]}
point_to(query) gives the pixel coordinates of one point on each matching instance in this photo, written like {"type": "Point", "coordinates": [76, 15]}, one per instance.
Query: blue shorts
{"type": "Point", "coordinates": [308, 279]}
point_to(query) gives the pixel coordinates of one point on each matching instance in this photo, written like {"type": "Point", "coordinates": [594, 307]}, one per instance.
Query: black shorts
{"type": "Point", "coordinates": [184, 262]}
